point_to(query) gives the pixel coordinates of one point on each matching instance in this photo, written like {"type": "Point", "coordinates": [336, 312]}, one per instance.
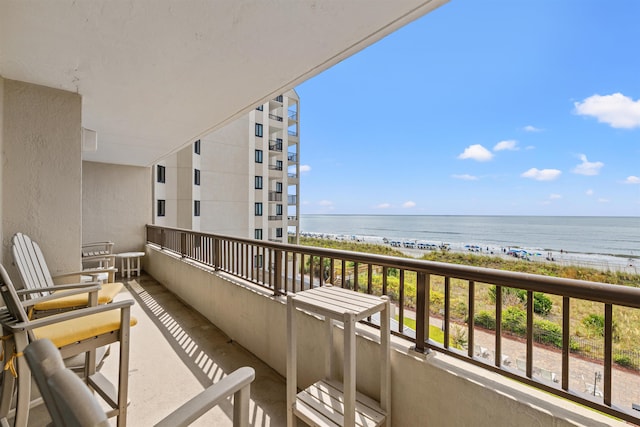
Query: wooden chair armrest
{"type": "Point", "coordinates": [68, 315]}
{"type": "Point", "coordinates": [212, 396]}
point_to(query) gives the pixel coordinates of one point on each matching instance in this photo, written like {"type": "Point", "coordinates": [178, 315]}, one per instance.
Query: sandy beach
{"type": "Point", "coordinates": [410, 247]}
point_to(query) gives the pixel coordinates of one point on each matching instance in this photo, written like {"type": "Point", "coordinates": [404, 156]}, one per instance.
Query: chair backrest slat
{"type": "Point", "coordinates": [31, 264]}
{"type": "Point", "coordinates": [10, 297]}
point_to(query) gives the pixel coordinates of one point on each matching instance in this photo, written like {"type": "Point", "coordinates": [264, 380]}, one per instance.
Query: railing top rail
{"type": "Point", "coordinates": [594, 291]}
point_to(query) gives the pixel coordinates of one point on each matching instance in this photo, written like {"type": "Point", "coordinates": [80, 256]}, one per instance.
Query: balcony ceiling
{"type": "Point", "coordinates": [155, 75]}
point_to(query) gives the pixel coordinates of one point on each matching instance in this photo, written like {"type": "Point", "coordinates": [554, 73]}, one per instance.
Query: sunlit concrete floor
{"type": "Point", "coordinates": [176, 353]}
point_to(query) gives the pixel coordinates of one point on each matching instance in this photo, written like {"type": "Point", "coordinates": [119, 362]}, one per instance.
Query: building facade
{"type": "Point", "coordinates": [242, 180]}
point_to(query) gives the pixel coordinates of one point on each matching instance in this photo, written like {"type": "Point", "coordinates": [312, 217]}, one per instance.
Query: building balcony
{"type": "Point", "coordinates": [202, 308]}
{"type": "Point", "coordinates": [488, 380]}
{"type": "Point", "coordinates": [275, 217]}
{"type": "Point", "coordinates": [275, 196]}
{"type": "Point", "coordinates": [292, 157]}
{"type": "Point", "coordinates": [275, 145]}
{"type": "Point", "coordinates": [292, 199]}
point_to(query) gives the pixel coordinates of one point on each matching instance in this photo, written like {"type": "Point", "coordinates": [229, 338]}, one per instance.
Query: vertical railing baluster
{"type": "Point", "coordinates": [471, 304]}
{"type": "Point", "coordinates": [422, 323]}
{"type": "Point", "coordinates": [447, 308]}
{"type": "Point", "coordinates": [401, 302]}
{"type": "Point", "coordinates": [311, 271]}
{"type": "Point", "coordinates": [608, 348]}
{"type": "Point", "coordinates": [498, 348]}
{"type": "Point", "coordinates": [369, 280]}
{"type": "Point", "coordinates": [566, 338]}
{"type": "Point", "coordinates": [183, 244]}
{"type": "Point", "coordinates": [356, 271]}
{"type": "Point", "coordinates": [321, 271]}
{"type": "Point", "coordinates": [286, 272]}
{"type": "Point", "coordinates": [385, 272]}
{"type": "Point", "coordinates": [344, 273]}
{"type": "Point", "coordinates": [529, 333]}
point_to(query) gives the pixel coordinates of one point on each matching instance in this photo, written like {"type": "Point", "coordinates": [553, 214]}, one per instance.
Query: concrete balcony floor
{"type": "Point", "coordinates": [176, 353]}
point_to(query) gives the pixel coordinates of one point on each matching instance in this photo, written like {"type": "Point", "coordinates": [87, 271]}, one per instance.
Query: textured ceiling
{"type": "Point", "coordinates": [155, 74]}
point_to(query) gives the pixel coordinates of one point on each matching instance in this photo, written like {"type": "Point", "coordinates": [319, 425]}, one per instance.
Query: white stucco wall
{"type": "Point", "coordinates": [1, 168]}
{"type": "Point", "coordinates": [42, 171]}
{"type": "Point", "coordinates": [116, 204]}
{"type": "Point", "coordinates": [433, 391]}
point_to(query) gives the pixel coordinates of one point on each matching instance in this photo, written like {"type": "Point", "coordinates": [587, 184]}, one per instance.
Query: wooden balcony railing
{"type": "Point", "coordinates": [284, 268]}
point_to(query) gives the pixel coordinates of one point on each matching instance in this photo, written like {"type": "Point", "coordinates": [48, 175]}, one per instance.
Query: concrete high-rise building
{"type": "Point", "coordinates": [242, 180]}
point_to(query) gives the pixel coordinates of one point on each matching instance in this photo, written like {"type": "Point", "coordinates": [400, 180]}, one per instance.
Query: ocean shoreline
{"type": "Point", "coordinates": [603, 262]}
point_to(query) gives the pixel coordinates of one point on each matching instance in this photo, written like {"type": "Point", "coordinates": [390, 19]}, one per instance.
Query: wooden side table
{"type": "Point", "coordinates": [329, 402]}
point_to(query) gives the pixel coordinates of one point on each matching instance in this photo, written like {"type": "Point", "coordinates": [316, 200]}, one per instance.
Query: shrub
{"type": "Point", "coordinates": [623, 360]}
{"type": "Point", "coordinates": [486, 319]}
{"type": "Point", "coordinates": [547, 332]}
{"type": "Point", "coordinates": [515, 320]}
{"type": "Point", "coordinates": [542, 304]}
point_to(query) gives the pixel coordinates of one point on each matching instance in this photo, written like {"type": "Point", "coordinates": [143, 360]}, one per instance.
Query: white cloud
{"type": "Point", "coordinates": [542, 174]}
{"type": "Point", "coordinates": [384, 206]}
{"type": "Point", "coordinates": [555, 196]}
{"type": "Point", "coordinates": [616, 110]}
{"type": "Point", "coordinates": [587, 168]}
{"type": "Point", "coordinates": [632, 180]}
{"type": "Point", "coordinates": [509, 144]}
{"type": "Point", "coordinates": [465, 177]}
{"type": "Point", "coordinates": [589, 192]}
{"type": "Point", "coordinates": [305, 168]}
{"type": "Point", "coordinates": [476, 152]}
{"type": "Point", "coordinates": [530, 128]}
{"type": "Point", "coordinates": [408, 204]}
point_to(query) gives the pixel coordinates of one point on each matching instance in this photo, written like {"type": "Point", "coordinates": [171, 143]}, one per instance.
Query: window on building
{"type": "Point", "coordinates": [279, 232]}
{"type": "Point", "coordinates": [258, 209]}
{"type": "Point", "coordinates": [258, 234]}
{"type": "Point", "coordinates": [278, 209]}
{"type": "Point", "coordinates": [196, 208]}
{"type": "Point", "coordinates": [196, 147]}
{"type": "Point", "coordinates": [257, 261]}
{"type": "Point", "coordinates": [279, 165]}
{"type": "Point", "coordinates": [278, 187]}
{"type": "Point", "coordinates": [258, 156]}
{"type": "Point", "coordinates": [258, 182]}
{"type": "Point", "coordinates": [161, 173]}
{"type": "Point", "coordinates": [260, 108]}
{"type": "Point", "coordinates": [259, 129]}
{"type": "Point", "coordinates": [160, 208]}
{"type": "Point", "coordinates": [196, 176]}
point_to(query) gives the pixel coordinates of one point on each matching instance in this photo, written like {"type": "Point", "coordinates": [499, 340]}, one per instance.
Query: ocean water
{"type": "Point", "coordinates": [591, 236]}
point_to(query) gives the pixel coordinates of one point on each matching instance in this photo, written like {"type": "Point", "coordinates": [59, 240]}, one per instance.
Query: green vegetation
{"type": "Point", "coordinates": [586, 324]}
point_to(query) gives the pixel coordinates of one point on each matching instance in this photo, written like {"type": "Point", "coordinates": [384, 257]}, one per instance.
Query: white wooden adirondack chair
{"type": "Point", "coordinates": [38, 282]}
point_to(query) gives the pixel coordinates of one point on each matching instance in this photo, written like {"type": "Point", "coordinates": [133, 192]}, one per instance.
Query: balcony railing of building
{"type": "Point", "coordinates": [292, 175]}
{"type": "Point", "coordinates": [291, 268]}
{"type": "Point", "coordinates": [275, 196]}
{"type": "Point", "coordinates": [275, 144]}
{"type": "Point", "coordinates": [275, 217]}
{"type": "Point", "coordinates": [292, 132]}
{"type": "Point", "coordinates": [275, 117]}
{"type": "Point", "coordinates": [292, 157]}
{"type": "Point", "coordinates": [292, 199]}
{"type": "Point", "coordinates": [292, 218]}
{"type": "Point", "coordinates": [293, 115]}
{"type": "Point", "coordinates": [275, 167]}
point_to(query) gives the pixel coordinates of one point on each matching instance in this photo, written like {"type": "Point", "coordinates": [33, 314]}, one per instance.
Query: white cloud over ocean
{"type": "Point", "coordinates": [510, 144]}
{"type": "Point", "coordinates": [632, 180]}
{"type": "Point", "coordinates": [465, 177]}
{"type": "Point", "coordinates": [616, 110]}
{"type": "Point", "coordinates": [305, 168]}
{"type": "Point", "coordinates": [587, 168]}
{"type": "Point", "coordinates": [542, 174]}
{"type": "Point", "coordinates": [384, 206]}
{"type": "Point", "coordinates": [409, 204]}
{"type": "Point", "coordinates": [476, 152]}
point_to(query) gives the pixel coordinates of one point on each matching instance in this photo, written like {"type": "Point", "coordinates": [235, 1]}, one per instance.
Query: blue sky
{"type": "Point", "coordinates": [494, 107]}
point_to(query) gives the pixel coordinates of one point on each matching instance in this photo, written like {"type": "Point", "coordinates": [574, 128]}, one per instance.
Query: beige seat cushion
{"type": "Point", "coordinates": [105, 295]}
{"type": "Point", "coordinates": [74, 330]}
